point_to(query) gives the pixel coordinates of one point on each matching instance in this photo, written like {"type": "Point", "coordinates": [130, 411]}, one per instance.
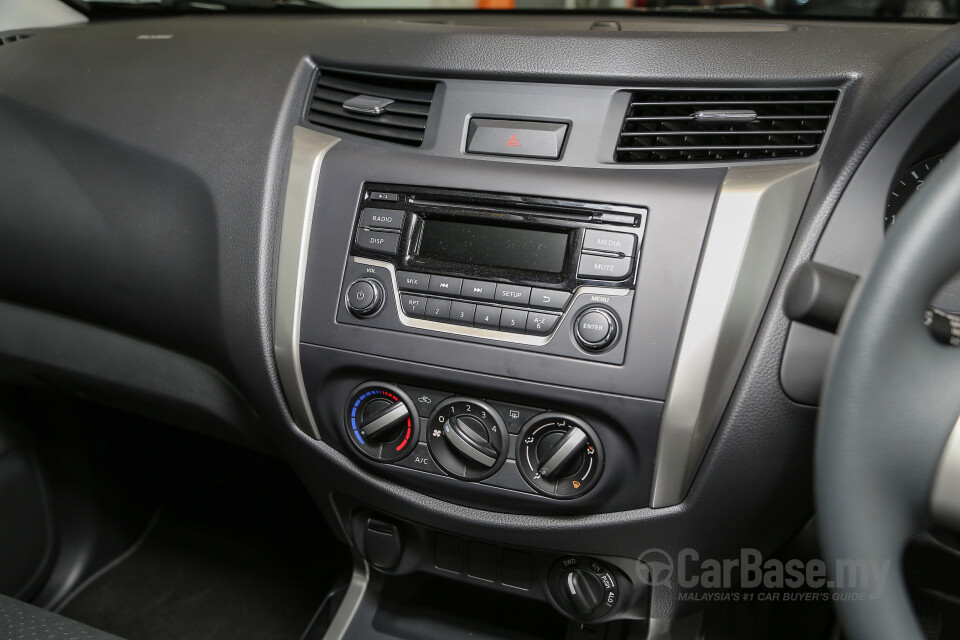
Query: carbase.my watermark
{"type": "Point", "coordinates": [857, 579]}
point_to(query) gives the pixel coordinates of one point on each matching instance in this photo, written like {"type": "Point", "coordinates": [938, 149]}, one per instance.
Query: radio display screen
{"type": "Point", "coordinates": [493, 246]}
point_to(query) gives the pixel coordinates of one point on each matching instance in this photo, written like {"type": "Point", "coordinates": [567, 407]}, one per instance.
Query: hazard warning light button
{"type": "Point", "coordinates": [524, 138]}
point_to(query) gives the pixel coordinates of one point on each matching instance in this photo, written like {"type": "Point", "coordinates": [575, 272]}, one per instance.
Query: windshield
{"type": "Point", "coordinates": [933, 10]}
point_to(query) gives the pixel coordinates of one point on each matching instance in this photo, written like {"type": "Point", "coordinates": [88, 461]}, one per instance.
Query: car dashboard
{"type": "Point", "coordinates": [504, 290]}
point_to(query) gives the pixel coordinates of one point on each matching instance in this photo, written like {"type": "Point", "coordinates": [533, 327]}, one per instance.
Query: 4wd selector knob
{"type": "Point", "coordinates": [585, 588]}
{"type": "Point", "coordinates": [559, 455]}
{"type": "Point", "coordinates": [381, 421]}
{"type": "Point", "coordinates": [467, 438]}
{"type": "Point", "coordinates": [364, 297]}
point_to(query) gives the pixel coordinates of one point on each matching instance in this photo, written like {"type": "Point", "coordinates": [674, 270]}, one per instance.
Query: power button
{"type": "Point", "coordinates": [364, 297]}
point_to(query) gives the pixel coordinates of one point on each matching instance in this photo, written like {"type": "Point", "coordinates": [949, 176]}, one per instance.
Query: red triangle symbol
{"type": "Point", "coordinates": [513, 142]}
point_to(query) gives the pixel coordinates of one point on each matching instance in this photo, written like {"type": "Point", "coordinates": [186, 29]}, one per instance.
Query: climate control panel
{"type": "Point", "coordinates": [476, 440]}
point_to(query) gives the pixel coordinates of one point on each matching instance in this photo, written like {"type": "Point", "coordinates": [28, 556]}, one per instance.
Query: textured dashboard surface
{"type": "Point", "coordinates": [21, 621]}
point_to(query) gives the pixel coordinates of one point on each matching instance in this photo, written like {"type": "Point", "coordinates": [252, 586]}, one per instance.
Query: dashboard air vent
{"type": "Point", "coordinates": [711, 125]}
{"type": "Point", "coordinates": [13, 37]}
{"type": "Point", "coordinates": [380, 107]}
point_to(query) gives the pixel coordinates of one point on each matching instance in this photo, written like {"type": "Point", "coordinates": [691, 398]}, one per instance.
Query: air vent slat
{"type": "Point", "coordinates": [407, 136]}
{"type": "Point", "coordinates": [387, 88]}
{"type": "Point", "coordinates": [771, 132]}
{"type": "Point", "coordinates": [721, 148]}
{"type": "Point", "coordinates": [386, 119]}
{"type": "Point", "coordinates": [402, 119]}
{"type": "Point", "coordinates": [690, 117]}
{"type": "Point", "coordinates": [403, 108]}
{"type": "Point", "coordinates": [676, 125]}
{"type": "Point", "coordinates": [728, 103]}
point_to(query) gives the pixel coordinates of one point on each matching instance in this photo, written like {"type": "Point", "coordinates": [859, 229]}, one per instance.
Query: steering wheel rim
{"type": "Point", "coordinates": [890, 403]}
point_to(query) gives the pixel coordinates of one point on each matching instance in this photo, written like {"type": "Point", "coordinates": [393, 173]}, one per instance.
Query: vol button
{"type": "Point", "coordinates": [364, 297]}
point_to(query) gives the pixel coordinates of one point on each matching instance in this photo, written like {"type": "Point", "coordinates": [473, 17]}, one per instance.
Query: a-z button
{"type": "Point", "coordinates": [541, 324]}
{"type": "Point", "coordinates": [378, 241]}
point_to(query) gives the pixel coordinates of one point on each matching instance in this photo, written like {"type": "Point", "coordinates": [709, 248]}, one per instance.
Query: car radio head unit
{"type": "Point", "coordinates": [489, 266]}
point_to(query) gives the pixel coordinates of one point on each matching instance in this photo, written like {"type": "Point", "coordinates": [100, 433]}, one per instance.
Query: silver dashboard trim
{"type": "Point", "coordinates": [490, 334]}
{"type": "Point", "coordinates": [753, 222]}
{"type": "Point", "coordinates": [352, 599]}
{"type": "Point", "coordinates": [303, 177]}
{"type": "Point", "coordinates": [944, 497]}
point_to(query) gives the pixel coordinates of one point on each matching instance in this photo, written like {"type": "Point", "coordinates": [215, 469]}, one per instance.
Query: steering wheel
{"type": "Point", "coordinates": [888, 438]}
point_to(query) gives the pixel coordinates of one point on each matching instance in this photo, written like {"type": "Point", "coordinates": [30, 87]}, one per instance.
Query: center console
{"type": "Point", "coordinates": [483, 351]}
{"type": "Point", "coordinates": [499, 343]}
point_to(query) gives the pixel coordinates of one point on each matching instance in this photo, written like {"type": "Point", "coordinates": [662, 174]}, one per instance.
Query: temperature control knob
{"type": "Point", "coordinates": [364, 297]}
{"type": "Point", "coordinates": [467, 438]}
{"type": "Point", "coordinates": [559, 455]}
{"type": "Point", "coordinates": [382, 422]}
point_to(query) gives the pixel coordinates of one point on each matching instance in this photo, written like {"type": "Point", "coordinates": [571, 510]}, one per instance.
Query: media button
{"type": "Point", "coordinates": [381, 218]}
{"type": "Point", "coordinates": [487, 317]}
{"type": "Point", "coordinates": [599, 240]}
{"type": "Point", "coordinates": [512, 294]}
{"type": "Point", "coordinates": [549, 298]}
{"type": "Point", "coordinates": [478, 290]}
{"type": "Point", "coordinates": [445, 285]}
{"type": "Point", "coordinates": [513, 320]}
{"type": "Point", "coordinates": [413, 281]}
{"type": "Point", "coordinates": [437, 309]}
{"type": "Point", "coordinates": [413, 306]}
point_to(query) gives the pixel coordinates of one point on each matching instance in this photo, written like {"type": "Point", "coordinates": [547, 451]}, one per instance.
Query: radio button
{"type": "Point", "coordinates": [478, 290]}
{"type": "Point", "coordinates": [413, 306]}
{"type": "Point", "coordinates": [549, 298]}
{"type": "Point", "coordinates": [513, 320]}
{"type": "Point", "coordinates": [487, 317]}
{"type": "Point", "coordinates": [541, 324]}
{"type": "Point", "coordinates": [381, 218]}
{"type": "Point", "coordinates": [413, 281]}
{"type": "Point", "coordinates": [445, 285]}
{"type": "Point", "coordinates": [438, 309]}
{"type": "Point", "coordinates": [603, 267]}
{"type": "Point", "coordinates": [598, 240]}
{"type": "Point", "coordinates": [378, 241]}
{"type": "Point", "coordinates": [512, 294]}
{"type": "Point", "coordinates": [462, 313]}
